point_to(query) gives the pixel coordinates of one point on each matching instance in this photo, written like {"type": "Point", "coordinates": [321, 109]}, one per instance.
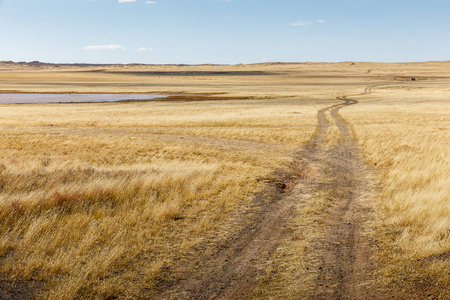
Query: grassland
{"type": "Point", "coordinates": [404, 131]}
{"type": "Point", "coordinates": [95, 196]}
{"type": "Point", "coordinates": [103, 200]}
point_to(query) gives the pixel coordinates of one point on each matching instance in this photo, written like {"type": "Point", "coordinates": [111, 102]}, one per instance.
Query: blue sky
{"type": "Point", "coordinates": [224, 31]}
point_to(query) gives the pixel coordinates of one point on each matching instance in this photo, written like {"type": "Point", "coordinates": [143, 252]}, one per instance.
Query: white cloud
{"type": "Point", "coordinates": [320, 21]}
{"type": "Point", "coordinates": [267, 56]}
{"type": "Point", "coordinates": [300, 23]}
{"type": "Point", "coordinates": [150, 2]}
{"type": "Point", "coordinates": [123, 1]}
{"type": "Point", "coordinates": [144, 49]}
{"type": "Point", "coordinates": [105, 47]}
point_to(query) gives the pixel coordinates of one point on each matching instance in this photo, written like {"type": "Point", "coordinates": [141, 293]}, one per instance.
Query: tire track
{"type": "Point", "coordinates": [230, 270]}
{"type": "Point", "coordinates": [345, 266]}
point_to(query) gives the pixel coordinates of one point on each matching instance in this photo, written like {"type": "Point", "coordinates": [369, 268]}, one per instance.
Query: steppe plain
{"type": "Point", "coordinates": [263, 181]}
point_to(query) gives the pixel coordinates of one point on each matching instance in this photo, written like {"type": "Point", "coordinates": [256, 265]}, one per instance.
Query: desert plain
{"type": "Point", "coordinates": [262, 181]}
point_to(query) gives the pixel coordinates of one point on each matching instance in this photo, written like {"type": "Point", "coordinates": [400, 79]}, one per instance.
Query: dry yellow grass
{"type": "Point", "coordinates": [97, 200]}
{"type": "Point", "coordinates": [404, 132]}
{"type": "Point", "coordinates": [303, 80]}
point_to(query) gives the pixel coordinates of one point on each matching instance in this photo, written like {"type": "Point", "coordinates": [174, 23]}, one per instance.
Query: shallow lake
{"type": "Point", "coordinates": [68, 98]}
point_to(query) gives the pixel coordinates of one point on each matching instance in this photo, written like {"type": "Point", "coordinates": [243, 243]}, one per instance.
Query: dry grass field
{"type": "Point", "coordinates": [109, 200]}
{"type": "Point", "coordinates": [95, 196]}
{"type": "Point", "coordinates": [404, 132]}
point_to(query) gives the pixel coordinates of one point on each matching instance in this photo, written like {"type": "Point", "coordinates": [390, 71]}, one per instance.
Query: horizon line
{"type": "Point", "coordinates": [35, 62]}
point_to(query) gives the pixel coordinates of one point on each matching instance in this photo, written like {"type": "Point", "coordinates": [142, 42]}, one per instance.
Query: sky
{"type": "Point", "coordinates": [224, 31]}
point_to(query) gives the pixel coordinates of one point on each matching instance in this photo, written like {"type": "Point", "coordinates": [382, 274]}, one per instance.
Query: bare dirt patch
{"type": "Point", "coordinates": [23, 290]}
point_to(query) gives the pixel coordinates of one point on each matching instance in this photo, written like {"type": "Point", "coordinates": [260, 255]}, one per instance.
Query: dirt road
{"type": "Point", "coordinates": [341, 258]}
{"type": "Point", "coordinates": [346, 270]}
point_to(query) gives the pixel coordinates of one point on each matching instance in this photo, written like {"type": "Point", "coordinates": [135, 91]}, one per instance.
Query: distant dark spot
{"type": "Point", "coordinates": [182, 73]}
